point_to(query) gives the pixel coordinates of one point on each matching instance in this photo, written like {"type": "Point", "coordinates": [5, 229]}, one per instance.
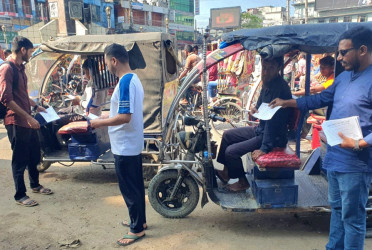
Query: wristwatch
{"type": "Point", "coordinates": [35, 107]}
{"type": "Point", "coordinates": [356, 146]}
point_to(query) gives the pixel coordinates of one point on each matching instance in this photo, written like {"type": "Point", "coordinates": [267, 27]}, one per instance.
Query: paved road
{"type": "Point", "coordinates": [87, 206]}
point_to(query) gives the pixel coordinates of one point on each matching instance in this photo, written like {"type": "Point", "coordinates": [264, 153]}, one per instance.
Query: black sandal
{"type": "Point", "coordinates": [27, 202]}
{"type": "Point", "coordinates": [42, 190]}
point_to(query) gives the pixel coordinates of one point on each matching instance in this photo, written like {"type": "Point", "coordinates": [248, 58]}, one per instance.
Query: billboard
{"type": "Point", "coordinates": [338, 4]}
{"type": "Point", "coordinates": [225, 17]}
{"type": "Point", "coordinates": [197, 7]}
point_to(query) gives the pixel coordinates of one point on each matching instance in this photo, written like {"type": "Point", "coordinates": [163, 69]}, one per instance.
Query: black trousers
{"type": "Point", "coordinates": [26, 154]}
{"type": "Point", "coordinates": [234, 144]}
{"type": "Point", "coordinates": [130, 177]}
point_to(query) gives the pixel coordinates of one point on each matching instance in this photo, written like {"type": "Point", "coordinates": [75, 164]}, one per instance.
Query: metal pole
{"type": "Point", "coordinates": [41, 6]}
{"type": "Point", "coordinates": [205, 97]}
{"type": "Point", "coordinates": [5, 38]}
{"type": "Point", "coordinates": [167, 25]}
{"type": "Point", "coordinates": [130, 15]}
{"type": "Point", "coordinates": [306, 11]}
{"type": "Point", "coordinates": [288, 21]}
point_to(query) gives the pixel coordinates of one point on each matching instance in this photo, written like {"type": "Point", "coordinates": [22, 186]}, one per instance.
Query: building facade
{"type": "Point", "coordinates": [173, 16]}
{"type": "Point", "coordinates": [273, 15]}
{"type": "Point", "coordinates": [270, 15]}
{"type": "Point", "coordinates": [16, 15]}
{"type": "Point", "coordinates": [332, 11]}
{"type": "Point", "coordinates": [182, 15]}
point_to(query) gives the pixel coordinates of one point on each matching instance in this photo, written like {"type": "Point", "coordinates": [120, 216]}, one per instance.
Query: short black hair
{"type": "Point", "coordinates": [20, 42]}
{"type": "Point", "coordinates": [327, 61]}
{"type": "Point", "coordinates": [118, 51]}
{"type": "Point", "coordinates": [93, 64]}
{"type": "Point", "coordinates": [196, 47]}
{"type": "Point", "coordinates": [7, 51]}
{"type": "Point", "coordinates": [278, 60]}
{"type": "Point", "coordinates": [359, 36]}
{"type": "Point", "coordinates": [188, 48]}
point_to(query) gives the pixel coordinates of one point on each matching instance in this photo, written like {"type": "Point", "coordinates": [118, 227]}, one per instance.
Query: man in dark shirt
{"type": "Point", "coordinates": [19, 123]}
{"type": "Point", "coordinates": [349, 165]}
{"type": "Point", "coordinates": [259, 140]}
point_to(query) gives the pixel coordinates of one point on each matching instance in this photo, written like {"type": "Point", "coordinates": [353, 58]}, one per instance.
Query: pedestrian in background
{"type": "Point", "coordinates": [20, 125]}
{"type": "Point", "coordinates": [348, 165]}
{"type": "Point", "coordinates": [126, 137]}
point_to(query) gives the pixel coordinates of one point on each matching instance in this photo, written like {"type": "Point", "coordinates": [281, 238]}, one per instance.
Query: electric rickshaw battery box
{"type": "Point", "coordinates": [86, 151]}
{"type": "Point", "coordinates": [84, 138]}
{"type": "Point", "coordinates": [275, 193]}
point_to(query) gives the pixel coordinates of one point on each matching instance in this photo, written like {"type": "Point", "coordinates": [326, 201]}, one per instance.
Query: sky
{"type": "Point", "coordinates": [202, 20]}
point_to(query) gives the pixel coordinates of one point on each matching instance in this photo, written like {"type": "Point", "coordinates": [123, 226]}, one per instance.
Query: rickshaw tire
{"type": "Point", "coordinates": [182, 212]}
{"type": "Point", "coordinates": [43, 166]}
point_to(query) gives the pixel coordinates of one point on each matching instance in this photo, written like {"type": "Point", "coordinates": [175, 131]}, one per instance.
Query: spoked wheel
{"type": "Point", "coordinates": [233, 115]}
{"type": "Point", "coordinates": [184, 201]}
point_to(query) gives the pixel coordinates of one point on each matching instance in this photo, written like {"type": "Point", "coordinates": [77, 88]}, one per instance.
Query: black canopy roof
{"type": "Point", "coordinates": [278, 40]}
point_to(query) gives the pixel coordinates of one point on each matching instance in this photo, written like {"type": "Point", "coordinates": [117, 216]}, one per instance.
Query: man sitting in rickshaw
{"type": "Point", "coordinates": [261, 139]}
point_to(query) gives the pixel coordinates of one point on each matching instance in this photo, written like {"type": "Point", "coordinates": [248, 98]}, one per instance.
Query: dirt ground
{"type": "Point", "coordinates": [87, 206]}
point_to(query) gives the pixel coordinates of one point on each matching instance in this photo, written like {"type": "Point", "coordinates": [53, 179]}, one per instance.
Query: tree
{"type": "Point", "coordinates": [250, 21]}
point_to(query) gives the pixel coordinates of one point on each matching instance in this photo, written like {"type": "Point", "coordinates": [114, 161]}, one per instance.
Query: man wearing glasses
{"type": "Point", "coordinates": [349, 165]}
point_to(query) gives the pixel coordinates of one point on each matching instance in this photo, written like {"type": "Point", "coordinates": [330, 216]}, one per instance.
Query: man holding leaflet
{"type": "Point", "coordinates": [19, 123]}
{"type": "Point", "coordinates": [349, 165]}
{"type": "Point", "coordinates": [259, 140]}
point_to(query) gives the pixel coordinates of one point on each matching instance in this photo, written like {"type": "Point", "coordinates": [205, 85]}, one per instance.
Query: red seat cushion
{"type": "Point", "coordinates": [74, 128]}
{"type": "Point", "coordinates": [279, 158]}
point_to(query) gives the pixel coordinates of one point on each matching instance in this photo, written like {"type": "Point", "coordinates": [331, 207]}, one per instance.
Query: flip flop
{"type": "Point", "coordinates": [128, 225]}
{"type": "Point", "coordinates": [27, 202]}
{"type": "Point", "coordinates": [42, 190]}
{"type": "Point", "coordinates": [134, 238]}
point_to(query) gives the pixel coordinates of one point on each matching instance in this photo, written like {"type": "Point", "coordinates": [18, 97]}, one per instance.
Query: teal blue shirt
{"type": "Point", "coordinates": [351, 95]}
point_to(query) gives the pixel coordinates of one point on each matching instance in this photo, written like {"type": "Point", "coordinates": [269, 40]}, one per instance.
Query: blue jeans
{"type": "Point", "coordinates": [348, 196]}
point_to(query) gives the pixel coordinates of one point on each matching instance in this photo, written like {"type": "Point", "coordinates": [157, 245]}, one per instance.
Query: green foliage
{"type": "Point", "coordinates": [250, 21]}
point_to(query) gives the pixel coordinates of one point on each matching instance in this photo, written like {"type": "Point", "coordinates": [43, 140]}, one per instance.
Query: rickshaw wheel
{"type": "Point", "coordinates": [43, 165]}
{"type": "Point", "coordinates": [233, 115]}
{"type": "Point", "coordinates": [185, 200]}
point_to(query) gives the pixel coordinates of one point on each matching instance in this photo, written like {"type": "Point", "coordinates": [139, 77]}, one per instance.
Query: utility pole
{"type": "Point", "coordinates": [306, 11]}
{"type": "Point", "coordinates": [130, 15]}
{"type": "Point", "coordinates": [41, 6]}
{"type": "Point", "coordinates": [288, 16]}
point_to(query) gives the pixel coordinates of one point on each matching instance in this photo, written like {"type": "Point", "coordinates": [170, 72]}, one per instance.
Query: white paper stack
{"type": "Point", "coordinates": [349, 126]}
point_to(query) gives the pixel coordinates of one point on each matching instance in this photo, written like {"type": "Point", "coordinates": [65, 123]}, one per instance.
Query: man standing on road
{"type": "Point", "coordinates": [126, 138]}
{"type": "Point", "coordinates": [19, 123]}
{"type": "Point", "coordinates": [349, 165]}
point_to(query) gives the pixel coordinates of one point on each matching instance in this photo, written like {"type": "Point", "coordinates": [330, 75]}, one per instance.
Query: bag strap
{"type": "Point", "coordinates": [15, 74]}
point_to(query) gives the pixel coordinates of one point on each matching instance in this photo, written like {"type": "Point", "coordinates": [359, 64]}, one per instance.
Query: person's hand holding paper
{"type": "Point", "coordinates": [348, 128]}
{"type": "Point", "coordinates": [265, 112]}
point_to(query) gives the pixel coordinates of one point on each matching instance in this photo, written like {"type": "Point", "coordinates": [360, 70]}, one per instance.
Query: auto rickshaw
{"type": "Point", "coordinates": [56, 69]}
{"type": "Point", "coordinates": [276, 185]}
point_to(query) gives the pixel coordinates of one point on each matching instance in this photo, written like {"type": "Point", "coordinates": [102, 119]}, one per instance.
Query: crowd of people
{"type": "Point", "coordinates": [349, 165]}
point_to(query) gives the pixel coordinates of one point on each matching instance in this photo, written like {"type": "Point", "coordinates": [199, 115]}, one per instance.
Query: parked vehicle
{"type": "Point", "coordinates": [56, 69]}
{"type": "Point", "coordinates": [276, 186]}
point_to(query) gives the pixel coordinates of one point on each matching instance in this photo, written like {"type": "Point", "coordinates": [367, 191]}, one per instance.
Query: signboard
{"type": "Point", "coordinates": [197, 7]}
{"type": "Point", "coordinates": [53, 10]}
{"type": "Point", "coordinates": [180, 27]}
{"type": "Point", "coordinates": [225, 18]}
{"type": "Point", "coordinates": [121, 19]}
{"type": "Point", "coordinates": [137, 6]}
{"type": "Point", "coordinates": [339, 4]}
